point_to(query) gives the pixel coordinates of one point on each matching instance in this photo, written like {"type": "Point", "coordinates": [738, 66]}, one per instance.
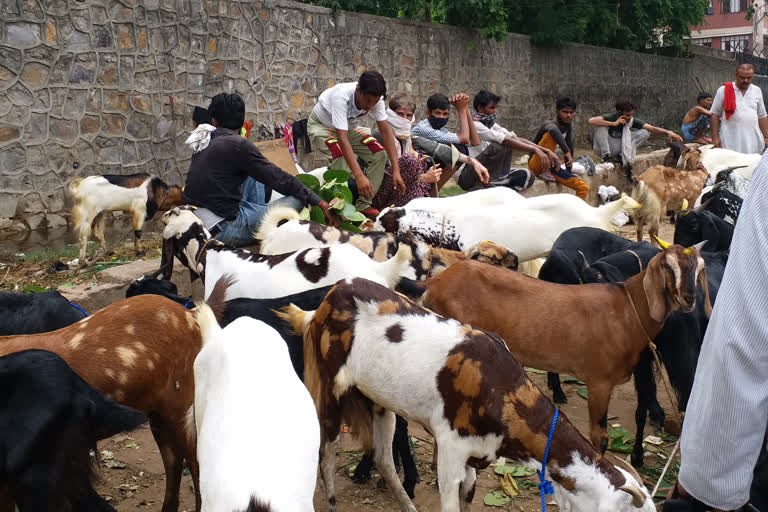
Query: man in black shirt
{"type": "Point", "coordinates": [230, 210]}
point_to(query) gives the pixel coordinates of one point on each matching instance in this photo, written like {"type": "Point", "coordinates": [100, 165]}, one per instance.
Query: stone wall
{"type": "Point", "coordinates": [108, 86]}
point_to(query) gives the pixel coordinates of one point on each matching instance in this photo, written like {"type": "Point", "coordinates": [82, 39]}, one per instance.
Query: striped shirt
{"type": "Point", "coordinates": [728, 410]}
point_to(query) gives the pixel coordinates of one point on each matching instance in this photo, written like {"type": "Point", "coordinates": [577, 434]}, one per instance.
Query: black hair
{"type": "Point", "coordinates": [228, 110]}
{"type": "Point", "coordinates": [372, 84]}
{"type": "Point", "coordinates": [484, 98]}
{"type": "Point", "coordinates": [624, 105]}
{"type": "Point", "coordinates": [565, 102]}
{"type": "Point", "coordinates": [702, 96]}
{"type": "Point", "coordinates": [438, 101]}
{"type": "Point", "coordinates": [201, 116]}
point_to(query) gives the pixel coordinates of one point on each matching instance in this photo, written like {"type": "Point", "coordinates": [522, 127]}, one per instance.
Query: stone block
{"type": "Point", "coordinates": [37, 128]}
{"type": "Point", "coordinates": [94, 101]}
{"type": "Point", "coordinates": [99, 14]}
{"type": "Point", "coordinates": [55, 221]}
{"type": "Point", "coordinates": [9, 133]}
{"type": "Point", "coordinates": [65, 130]}
{"type": "Point", "coordinates": [20, 95]}
{"type": "Point", "coordinates": [109, 150]}
{"type": "Point", "coordinates": [17, 116]}
{"type": "Point", "coordinates": [162, 128]}
{"type": "Point", "coordinates": [22, 35]}
{"type": "Point", "coordinates": [143, 38]}
{"type": "Point", "coordinates": [125, 35]}
{"type": "Point", "coordinates": [102, 37]}
{"type": "Point", "coordinates": [140, 126]}
{"type": "Point", "coordinates": [6, 77]}
{"type": "Point", "coordinates": [116, 101]}
{"type": "Point", "coordinates": [60, 71]}
{"type": "Point", "coordinates": [112, 124]}
{"type": "Point", "coordinates": [89, 126]}
{"type": "Point", "coordinates": [74, 107]}
{"type": "Point", "coordinates": [81, 19]}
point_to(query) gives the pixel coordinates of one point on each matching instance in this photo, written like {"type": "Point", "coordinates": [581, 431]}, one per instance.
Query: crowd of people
{"type": "Point", "coordinates": [230, 182]}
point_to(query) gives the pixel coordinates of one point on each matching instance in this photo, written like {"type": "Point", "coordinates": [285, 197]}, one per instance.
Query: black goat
{"type": "Point", "coordinates": [34, 313]}
{"type": "Point", "coordinates": [50, 419]}
{"type": "Point", "coordinates": [263, 309]}
{"type": "Point", "coordinates": [678, 344]}
{"type": "Point", "coordinates": [694, 226]}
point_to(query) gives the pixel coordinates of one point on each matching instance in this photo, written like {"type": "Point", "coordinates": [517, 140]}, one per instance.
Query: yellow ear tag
{"type": "Point", "coordinates": [662, 243]}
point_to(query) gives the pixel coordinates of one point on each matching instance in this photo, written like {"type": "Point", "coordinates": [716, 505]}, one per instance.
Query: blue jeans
{"type": "Point", "coordinates": [239, 232]}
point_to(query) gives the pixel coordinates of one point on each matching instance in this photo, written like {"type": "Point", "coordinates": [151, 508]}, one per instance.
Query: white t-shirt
{"type": "Point", "coordinates": [487, 135]}
{"type": "Point", "coordinates": [336, 108]}
{"type": "Point", "coordinates": [741, 132]}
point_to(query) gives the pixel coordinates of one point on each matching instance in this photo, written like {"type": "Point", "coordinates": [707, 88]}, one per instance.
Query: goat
{"type": "Point", "coordinates": [482, 198]}
{"type": "Point", "coordinates": [51, 419]}
{"type": "Point", "coordinates": [662, 188]}
{"type": "Point", "coordinates": [147, 285]}
{"type": "Point", "coordinates": [32, 313]}
{"type": "Point", "coordinates": [242, 372]}
{"type": "Point", "coordinates": [694, 226]}
{"type": "Point", "coordinates": [527, 228]}
{"type": "Point", "coordinates": [370, 351]}
{"type": "Point", "coordinates": [716, 159]}
{"type": "Point", "coordinates": [678, 342]}
{"type": "Point", "coordinates": [268, 276]}
{"type": "Point", "coordinates": [565, 335]}
{"type": "Point", "coordinates": [726, 196]}
{"type": "Point", "coordinates": [140, 194]}
{"type": "Point", "coordinates": [676, 149]}
{"type": "Point", "coordinates": [139, 352]}
{"type": "Point", "coordinates": [281, 231]}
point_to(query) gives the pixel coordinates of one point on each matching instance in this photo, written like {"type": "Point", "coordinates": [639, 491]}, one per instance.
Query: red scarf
{"type": "Point", "coordinates": [729, 100]}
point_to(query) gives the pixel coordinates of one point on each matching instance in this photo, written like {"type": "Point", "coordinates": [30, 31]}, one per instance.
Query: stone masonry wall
{"type": "Point", "coordinates": [108, 86]}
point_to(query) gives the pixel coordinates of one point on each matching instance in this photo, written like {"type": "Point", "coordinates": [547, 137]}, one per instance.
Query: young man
{"type": "Point", "coordinates": [553, 134]}
{"type": "Point", "coordinates": [333, 127]}
{"type": "Point", "coordinates": [744, 124]}
{"type": "Point", "coordinates": [609, 133]}
{"type": "Point", "coordinates": [696, 121]}
{"type": "Point", "coordinates": [496, 146]}
{"type": "Point", "coordinates": [433, 129]}
{"type": "Point", "coordinates": [216, 174]}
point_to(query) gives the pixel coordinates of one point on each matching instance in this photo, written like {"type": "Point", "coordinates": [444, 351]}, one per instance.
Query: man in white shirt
{"type": "Point", "coordinates": [496, 145]}
{"type": "Point", "coordinates": [745, 122]}
{"type": "Point", "coordinates": [333, 127]}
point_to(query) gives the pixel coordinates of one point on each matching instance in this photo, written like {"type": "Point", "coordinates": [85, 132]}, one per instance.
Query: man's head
{"type": "Point", "coordinates": [566, 109]}
{"type": "Point", "coordinates": [201, 116]}
{"type": "Point", "coordinates": [625, 108]}
{"type": "Point", "coordinates": [485, 102]}
{"type": "Point", "coordinates": [704, 99]}
{"type": "Point", "coordinates": [438, 106]}
{"type": "Point", "coordinates": [744, 75]}
{"type": "Point", "coordinates": [227, 111]}
{"type": "Point", "coordinates": [402, 105]}
{"type": "Point", "coordinates": [371, 87]}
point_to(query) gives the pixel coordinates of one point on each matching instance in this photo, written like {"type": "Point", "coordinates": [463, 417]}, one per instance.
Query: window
{"type": "Point", "coordinates": [735, 43]}
{"type": "Point", "coordinates": [730, 6]}
{"type": "Point", "coordinates": [703, 41]}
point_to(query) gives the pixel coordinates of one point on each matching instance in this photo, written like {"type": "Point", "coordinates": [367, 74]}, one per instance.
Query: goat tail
{"type": "Point", "coordinates": [398, 264]}
{"type": "Point", "coordinates": [357, 412]}
{"type": "Point", "coordinates": [295, 317]}
{"type": "Point", "coordinates": [649, 211]}
{"type": "Point", "coordinates": [206, 319]}
{"type": "Point", "coordinates": [217, 299]}
{"type": "Point", "coordinates": [273, 219]}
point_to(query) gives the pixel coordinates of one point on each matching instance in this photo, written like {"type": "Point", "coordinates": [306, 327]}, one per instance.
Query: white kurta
{"type": "Point", "coordinates": [741, 132]}
{"type": "Point", "coordinates": [728, 410]}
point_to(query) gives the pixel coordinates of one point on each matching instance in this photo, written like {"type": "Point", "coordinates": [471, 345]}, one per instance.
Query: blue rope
{"type": "Point", "coordinates": [545, 486]}
{"type": "Point", "coordinates": [186, 304]}
{"type": "Point", "coordinates": [78, 308]}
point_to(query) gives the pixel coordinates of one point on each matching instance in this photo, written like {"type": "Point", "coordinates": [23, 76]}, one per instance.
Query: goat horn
{"type": "Point", "coordinates": [699, 246]}
{"type": "Point", "coordinates": [662, 243]}
{"type": "Point", "coordinates": [734, 168]}
{"type": "Point", "coordinates": [703, 206]}
{"type": "Point", "coordinates": [638, 498]}
{"type": "Point", "coordinates": [626, 466]}
{"type": "Point", "coordinates": [685, 205]}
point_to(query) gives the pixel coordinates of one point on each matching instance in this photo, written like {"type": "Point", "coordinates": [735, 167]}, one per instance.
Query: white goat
{"type": "Point", "coordinates": [140, 194]}
{"type": "Point", "coordinates": [493, 196]}
{"type": "Point", "coordinates": [716, 159]}
{"type": "Point", "coordinates": [527, 228]}
{"type": "Point", "coordinates": [268, 276]}
{"type": "Point", "coordinates": [242, 375]}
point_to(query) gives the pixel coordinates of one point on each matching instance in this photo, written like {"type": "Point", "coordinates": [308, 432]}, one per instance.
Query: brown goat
{"type": "Point", "coordinates": [140, 353]}
{"type": "Point", "coordinates": [663, 188]}
{"type": "Point", "coordinates": [565, 335]}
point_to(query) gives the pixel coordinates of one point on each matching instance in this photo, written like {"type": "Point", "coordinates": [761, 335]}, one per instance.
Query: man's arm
{"type": "Point", "coordinates": [426, 131]}
{"type": "Point", "coordinates": [388, 141]}
{"type": "Point", "coordinates": [717, 111]}
{"type": "Point", "coordinates": [557, 136]}
{"type": "Point", "coordinates": [460, 101]}
{"type": "Point", "coordinates": [662, 131]}
{"type": "Point", "coordinates": [599, 121]}
{"type": "Point", "coordinates": [363, 185]}
{"type": "Point", "coordinates": [548, 158]}
{"type": "Point", "coordinates": [716, 131]}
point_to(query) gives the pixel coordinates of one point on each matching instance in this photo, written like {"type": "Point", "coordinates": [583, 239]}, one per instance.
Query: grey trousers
{"type": "Point", "coordinates": [605, 145]}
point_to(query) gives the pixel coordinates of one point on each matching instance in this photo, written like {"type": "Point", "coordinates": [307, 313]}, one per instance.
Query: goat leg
{"type": "Point", "coordinates": [553, 383]}
{"type": "Point", "coordinates": [597, 402]}
{"type": "Point", "coordinates": [138, 224]}
{"type": "Point", "coordinates": [383, 433]}
{"type": "Point", "coordinates": [362, 472]}
{"type": "Point", "coordinates": [403, 445]}
{"type": "Point", "coordinates": [173, 461]}
{"type": "Point", "coordinates": [645, 387]}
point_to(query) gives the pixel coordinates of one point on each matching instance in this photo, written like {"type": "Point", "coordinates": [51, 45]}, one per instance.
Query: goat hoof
{"type": "Point", "coordinates": [559, 397]}
{"type": "Point", "coordinates": [409, 488]}
{"type": "Point", "coordinates": [637, 459]}
{"type": "Point", "coordinates": [361, 476]}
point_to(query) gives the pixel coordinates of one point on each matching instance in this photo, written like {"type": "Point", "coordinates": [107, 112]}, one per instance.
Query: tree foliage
{"type": "Point", "coordinates": [625, 24]}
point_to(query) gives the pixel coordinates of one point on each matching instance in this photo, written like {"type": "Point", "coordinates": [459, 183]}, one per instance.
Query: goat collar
{"type": "Point", "coordinates": [545, 486]}
{"type": "Point", "coordinates": [651, 344]}
{"type": "Point", "coordinates": [639, 261]}
{"type": "Point", "coordinates": [200, 258]}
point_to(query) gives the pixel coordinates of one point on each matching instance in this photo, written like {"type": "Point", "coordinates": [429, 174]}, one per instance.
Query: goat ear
{"type": "Point", "coordinates": [702, 281]}
{"type": "Point", "coordinates": [654, 283]}
{"type": "Point", "coordinates": [193, 276]}
{"type": "Point", "coordinates": [166, 258]}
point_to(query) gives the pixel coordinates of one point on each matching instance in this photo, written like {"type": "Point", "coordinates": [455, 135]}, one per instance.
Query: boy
{"type": "Point", "coordinates": [333, 127]}
{"type": "Point", "coordinates": [553, 134]}
{"type": "Point", "coordinates": [696, 122]}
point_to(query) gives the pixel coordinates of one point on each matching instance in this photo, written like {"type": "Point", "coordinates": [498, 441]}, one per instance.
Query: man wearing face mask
{"type": "Point", "coordinates": [333, 127]}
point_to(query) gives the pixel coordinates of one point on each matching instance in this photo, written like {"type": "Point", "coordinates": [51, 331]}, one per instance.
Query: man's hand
{"type": "Point", "coordinates": [620, 121]}
{"type": "Point", "coordinates": [568, 160]}
{"type": "Point", "coordinates": [432, 175]}
{"type": "Point", "coordinates": [674, 137]}
{"type": "Point", "coordinates": [364, 186]}
{"type": "Point", "coordinates": [765, 141]}
{"type": "Point", "coordinates": [330, 216]}
{"type": "Point", "coordinates": [481, 171]}
{"type": "Point", "coordinates": [460, 101]}
{"type": "Point", "coordinates": [398, 182]}
{"type": "Point", "coordinates": [548, 158]}
{"type": "Point", "coordinates": [716, 141]}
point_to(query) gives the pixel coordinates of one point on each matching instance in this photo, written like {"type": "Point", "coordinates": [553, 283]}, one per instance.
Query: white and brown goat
{"type": "Point", "coordinates": [661, 188]}
{"type": "Point", "coordinates": [140, 194]}
{"type": "Point", "coordinates": [565, 335]}
{"type": "Point", "coordinates": [370, 353]}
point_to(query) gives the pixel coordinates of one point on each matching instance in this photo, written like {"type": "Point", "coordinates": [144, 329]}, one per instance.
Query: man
{"type": "Point", "coordinates": [432, 128]}
{"type": "Point", "coordinates": [611, 139]}
{"type": "Point", "coordinates": [216, 174]}
{"type": "Point", "coordinates": [697, 120]}
{"type": "Point", "coordinates": [495, 150]}
{"type": "Point", "coordinates": [745, 127]}
{"type": "Point", "coordinates": [333, 127]}
{"type": "Point", "coordinates": [727, 412]}
{"type": "Point", "coordinates": [554, 134]}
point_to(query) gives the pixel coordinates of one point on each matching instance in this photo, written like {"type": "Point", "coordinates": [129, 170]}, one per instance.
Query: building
{"type": "Point", "coordinates": [726, 27]}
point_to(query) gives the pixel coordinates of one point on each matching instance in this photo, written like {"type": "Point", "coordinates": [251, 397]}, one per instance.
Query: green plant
{"type": "Point", "coordinates": [336, 193]}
